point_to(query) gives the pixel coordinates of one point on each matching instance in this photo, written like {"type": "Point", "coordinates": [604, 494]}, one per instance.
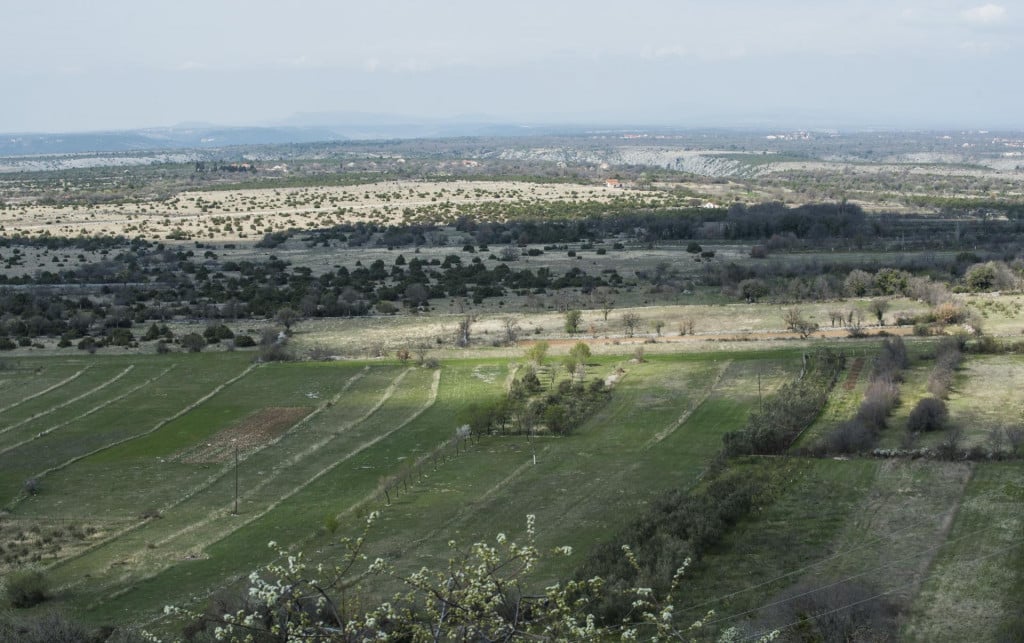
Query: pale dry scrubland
{"type": "Point", "coordinates": [232, 215]}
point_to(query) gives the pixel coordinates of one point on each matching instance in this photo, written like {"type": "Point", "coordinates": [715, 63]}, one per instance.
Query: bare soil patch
{"type": "Point", "coordinates": [854, 374]}
{"type": "Point", "coordinates": [250, 434]}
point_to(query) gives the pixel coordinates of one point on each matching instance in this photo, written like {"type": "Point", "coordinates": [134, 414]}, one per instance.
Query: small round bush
{"type": "Point", "coordinates": [26, 588]}
{"type": "Point", "coordinates": [930, 414]}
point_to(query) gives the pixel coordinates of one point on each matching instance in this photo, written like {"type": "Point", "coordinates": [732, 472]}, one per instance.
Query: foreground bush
{"type": "Point", "coordinates": [26, 588]}
{"type": "Point", "coordinates": [52, 627]}
{"type": "Point", "coordinates": [480, 595]}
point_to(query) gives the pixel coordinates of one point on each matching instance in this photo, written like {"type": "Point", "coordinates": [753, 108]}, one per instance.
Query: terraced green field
{"type": "Point", "coordinates": [136, 456]}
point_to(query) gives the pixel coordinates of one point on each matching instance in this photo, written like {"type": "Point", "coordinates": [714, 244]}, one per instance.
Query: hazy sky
{"type": "Point", "coordinates": [67, 65]}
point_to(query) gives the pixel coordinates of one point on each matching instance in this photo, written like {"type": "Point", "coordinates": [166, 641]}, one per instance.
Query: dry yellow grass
{"type": "Point", "coordinates": [232, 215]}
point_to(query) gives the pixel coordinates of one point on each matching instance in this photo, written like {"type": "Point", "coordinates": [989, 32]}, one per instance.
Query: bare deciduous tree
{"type": "Point", "coordinates": [630, 321]}
{"type": "Point", "coordinates": [511, 328]}
{"type": "Point", "coordinates": [796, 322]}
{"type": "Point", "coordinates": [878, 307]}
{"type": "Point", "coordinates": [462, 333]}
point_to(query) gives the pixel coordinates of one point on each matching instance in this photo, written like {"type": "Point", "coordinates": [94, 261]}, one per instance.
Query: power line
{"type": "Point", "coordinates": [871, 598]}
{"type": "Point", "coordinates": [849, 578]}
{"type": "Point", "coordinates": [874, 541]}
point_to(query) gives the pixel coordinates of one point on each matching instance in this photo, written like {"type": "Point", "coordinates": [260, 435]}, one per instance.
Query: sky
{"type": "Point", "coordinates": [69, 66]}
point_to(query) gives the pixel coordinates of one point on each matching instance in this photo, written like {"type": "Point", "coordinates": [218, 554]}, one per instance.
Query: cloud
{"type": "Point", "coordinates": [986, 14]}
{"type": "Point", "coordinates": [664, 52]}
{"type": "Point", "coordinates": [976, 48]}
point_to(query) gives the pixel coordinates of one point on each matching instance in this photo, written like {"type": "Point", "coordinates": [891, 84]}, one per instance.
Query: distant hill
{"type": "Point", "coordinates": [209, 137]}
{"type": "Point", "coordinates": [170, 138]}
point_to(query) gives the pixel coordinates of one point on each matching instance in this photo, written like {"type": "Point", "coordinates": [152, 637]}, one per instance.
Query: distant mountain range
{"type": "Point", "coordinates": [302, 128]}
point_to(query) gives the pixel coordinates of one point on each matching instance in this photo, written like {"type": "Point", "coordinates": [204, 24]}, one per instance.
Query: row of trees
{"type": "Point", "coordinates": [860, 433]}
{"type": "Point", "coordinates": [772, 428]}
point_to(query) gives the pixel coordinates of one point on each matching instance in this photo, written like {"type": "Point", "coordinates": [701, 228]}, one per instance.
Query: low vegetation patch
{"type": "Point", "coordinates": [250, 434]}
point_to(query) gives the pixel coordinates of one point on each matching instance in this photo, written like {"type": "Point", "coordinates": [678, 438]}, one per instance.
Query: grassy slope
{"type": "Point", "coordinates": [198, 514]}
{"type": "Point", "coordinates": [21, 380]}
{"type": "Point", "coordinates": [975, 582]}
{"type": "Point", "coordinates": [133, 416]}
{"type": "Point", "coordinates": [976, 406]}
{"type": "Point", "coordinates": [770, 551]}
{"type": "Point", "coordinates": [583, 487]}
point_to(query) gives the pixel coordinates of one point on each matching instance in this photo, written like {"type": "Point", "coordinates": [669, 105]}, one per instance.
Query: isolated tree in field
{"type": "Point", "coordinates": [950, 445]}
{"type": "Point", "coordinates": [891, 281]}
{"type": "Point", "coordinates": [753, 289]}
{"type": "Point", "coordinates": [981, 277]}
{"type": "Point", "coordinates": [417, 294]}
{"type": "Point", "coordinates": [193, 342]}
{"type": "Point", "coordinates": [511, 328]}
{"type": "Point", "coordinates": [606, 307]}
{"type": "Point", "coordinates": [796, 322]}
{"type": "Point", "coordinates": [630, 321]}
{"type": "Point", "coordinates": [421, 349]}
{"type": "Point", "coordinates": [463, 332]}
{"type": "Point", "coordinates": [572, 321]}
{"type": "Point", "coordinates": [580, 352]}
{"type": "Point", "coordinates": [572, 367]}
{"type": "Point", "coordinates": [509, 253]}
{"type": "Point", "coordinates": [553, 370]}
{"type": "Point", "coordinates": [878, 307]}
{"type": "Point", "coordinates": [537, 353]}
{"type": "Point", "coordinates": [287, 317]}
{"type": "Point", "coordinates": [658, 324]}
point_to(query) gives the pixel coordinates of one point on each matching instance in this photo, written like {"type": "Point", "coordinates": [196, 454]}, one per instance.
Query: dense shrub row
{"type": "Point", "coordinates": [860, 433]}
{"type": "Point", "coordinates": [948, 356]}
{"type": "Point", "coordinates": [781, 418]}
{"type": "Point", "coordinates": [677, 526]}
{"type": "Point", "coordinates": [527, 407]}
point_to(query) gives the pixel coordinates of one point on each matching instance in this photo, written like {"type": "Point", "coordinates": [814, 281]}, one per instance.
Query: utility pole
{"type": "Point", "coordinates": [760, 405]}
{"type": "Point", "coordinates": [236, 478]}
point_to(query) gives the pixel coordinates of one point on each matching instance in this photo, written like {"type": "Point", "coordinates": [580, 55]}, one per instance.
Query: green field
{"type": "Point", "coordinates": [134, 461]}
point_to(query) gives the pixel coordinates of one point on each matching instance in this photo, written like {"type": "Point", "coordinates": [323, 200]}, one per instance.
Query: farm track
{"type": "Point", "coordinates": [57, 407]}
{"type": "Point", "coordinates": [972, 580]}
{"type": "Point", "coordinates": [216, 530]}
{"type": "Point", "coordinates": [462, 516]}
{"type": "Point", "coordinates": [919, 500]}
{"type": "Point", "coordinates": [221, 473]}
{"type": "Point", "coordinates": [94, 409]}
{"type": "Point", "coordinates": [56, 386]}
{"type": "Point", "coordinates": [159, 425]}
{"type": "Point", "coordinates": [219, 522]}
{"type": "Point", "coordinates": [144, 570]}
{"type": "Point", "coordinates": [681, 420]}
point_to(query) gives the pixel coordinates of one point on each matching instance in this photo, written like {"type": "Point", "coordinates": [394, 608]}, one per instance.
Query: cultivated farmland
{"type": "Point", "coordinates": [812, 409]}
